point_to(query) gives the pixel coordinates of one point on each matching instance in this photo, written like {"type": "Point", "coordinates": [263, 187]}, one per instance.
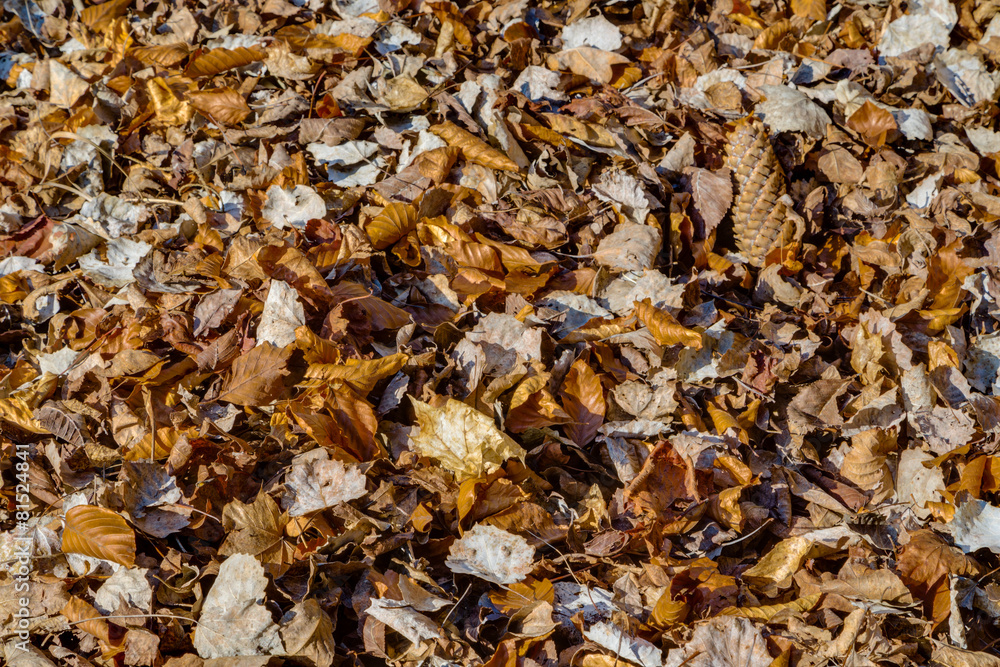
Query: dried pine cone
{"type": "Point", "coordinates": [761, 220]}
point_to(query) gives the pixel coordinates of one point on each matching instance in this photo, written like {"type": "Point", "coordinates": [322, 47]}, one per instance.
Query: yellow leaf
{"type": "Point", "coordinates": [421, 517]}
{"type": "Point", "coordinates": [473, 148]}
{"type": "Point", "coordinates": [394, 222]}
{"type": "Point", "coordinates": [520, 595]}
{"type": "Point", "coordinates": [98, 533]}
{"type": "Point", "coordinates": [463, 439]}
{"type": "Point", "coordinates": [669, 612]}
{"type": "Point", "coordinates": [772, 35]}
{"type": "Point", "coordinates": [165, 55]}
{"type": "Point", "coordinates": [148, 450]}
{"type": "Point", "coordinates": [99, 17]}
{"type": "Point", "coordinates": [362, 374]}
{"type": "Point", "coordinates": [220, 60]}
{"type": "Point", "coordinates": [588, 132]}
{"type": "Point", "coordinates": [543, 133]}
{"type": "Point", "coordinates": [810, 9]}
{"type": "Point", "coordinates": [169, 109]}
{"type": "Point", "coordinates": [765, 613]}
{"type": "Point", "coordinates": [15, 411]}
{"type": "Point", "coordinates": [781, 562]}
{"type": "Point", "coordinates": [665, 329]}
{"type": "Point", "coordinates": [629, 77]}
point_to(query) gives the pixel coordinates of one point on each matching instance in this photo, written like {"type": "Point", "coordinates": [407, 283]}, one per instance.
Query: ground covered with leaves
{"type": "Point", "coordinates": [523, 334]}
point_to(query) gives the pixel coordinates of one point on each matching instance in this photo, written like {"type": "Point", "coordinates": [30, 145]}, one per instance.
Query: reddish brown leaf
{"type": "Point", "coordinates": [583, 399]}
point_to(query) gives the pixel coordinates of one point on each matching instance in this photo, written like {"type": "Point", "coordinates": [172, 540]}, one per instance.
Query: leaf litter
{"type": "Point", "coordinates": [512, 333]}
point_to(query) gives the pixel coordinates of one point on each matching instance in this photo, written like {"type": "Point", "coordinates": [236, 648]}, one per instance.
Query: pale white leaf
{"type": "Point", "coordinates": [976, 526]}
{"type": "Point", "coordinates": [595, 31]}
{"type": "Point", "coordinates": [128, 584]}
{"type": "Point", "coordinates": [633, 649]}
{"type": "Point", "coordinates": [411, 624]}
{"type": "Point", "coordinates": [315, 483]}
{"type": "Point", "coordinates": [283, 314]}
{"type": "Point", "coordinates": [292, 207]}
{"type": "Point", "coordinates": [492, 554]}
{"type": "Point", "coordinates": [233, 620]}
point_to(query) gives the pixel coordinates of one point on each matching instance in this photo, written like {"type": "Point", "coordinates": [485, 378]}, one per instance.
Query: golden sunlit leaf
{"type": "Point", "coordinates": [772, 35]}
{"type": "Point", "coordinates": [16, 412]}
{"type": "Point", "coordinates": [462, 439]}
{"type": "Point", "coordinates": [255, 378]}
{"type": "Point", "coordinates": [473, 148]}
{"type": "Point", "coordinates": [222, 105]}
{"type": "Point", "coordinates": [873, 123]}
{"type": "Point", "coordinates": [217, 61]}
{"type": "Point", "coordinates": [765, 613]}
{"type": "Point", "coordinates": [362, 374]}
{"type": "Point", "coordinates": [669, 612]}
{"type": "Point", "coordinates": [165, 55]}
{"type": "Point", "coordinates": [99, 17]}
{"type": "Point", "coordinates": [394, 222]}
{"type": "Point", "coordinates": [98, 533]}
{"type": "Point", "coordinates": [665, 329]}
{"type": "Point", "coordinates": [168, 107]}
{"type": "Point", "coordinates": [810, 9]}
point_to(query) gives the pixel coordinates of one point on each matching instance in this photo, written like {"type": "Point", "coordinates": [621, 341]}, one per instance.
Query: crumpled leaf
{"type": "Point", "coordinates": [492, 554]}
{"type": "Point", "coordinates": [292, 207]}
{"type": "Point", "coordinates": [976, 525]}
{"type": "Point", "coordinates": [315, 483]}
{"type": "Point", "coordinates": [462, 439]}
{"type": "Point", "coordinates": [725, 641]}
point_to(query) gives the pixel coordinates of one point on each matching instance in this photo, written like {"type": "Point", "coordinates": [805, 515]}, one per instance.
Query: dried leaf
{"type": "Point", "coordinates": [394, 222]}
{"type": "Point", "coordinates": [217, 61]}
{"type": "Point", "coordinates": [255, 378]}
{"type": "Point", "coordinates": [665, 329]}
{"type": "Point", "coordinates": [221, 105]}
{"type": "Point", "coordinates": [232, 620]}
{"type": "Point", "coordinates": [492, 554]}
{"type": "Point", "coordinates": [582, 398]}
{"type": "Point", "coordinates": [98, 533]}
{"type": "Point", "coordinates": [464, 440]}
{"type": "Point", "coordinates": [474, 149]}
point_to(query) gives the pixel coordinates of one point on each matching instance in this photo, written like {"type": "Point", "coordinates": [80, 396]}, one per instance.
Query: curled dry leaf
{"type": "Point", "coordinates": [394, 222]}
{"type": "Point", "coordinates": [473, 148]}
{"type": "Point", "coordinates": [665, 329]}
